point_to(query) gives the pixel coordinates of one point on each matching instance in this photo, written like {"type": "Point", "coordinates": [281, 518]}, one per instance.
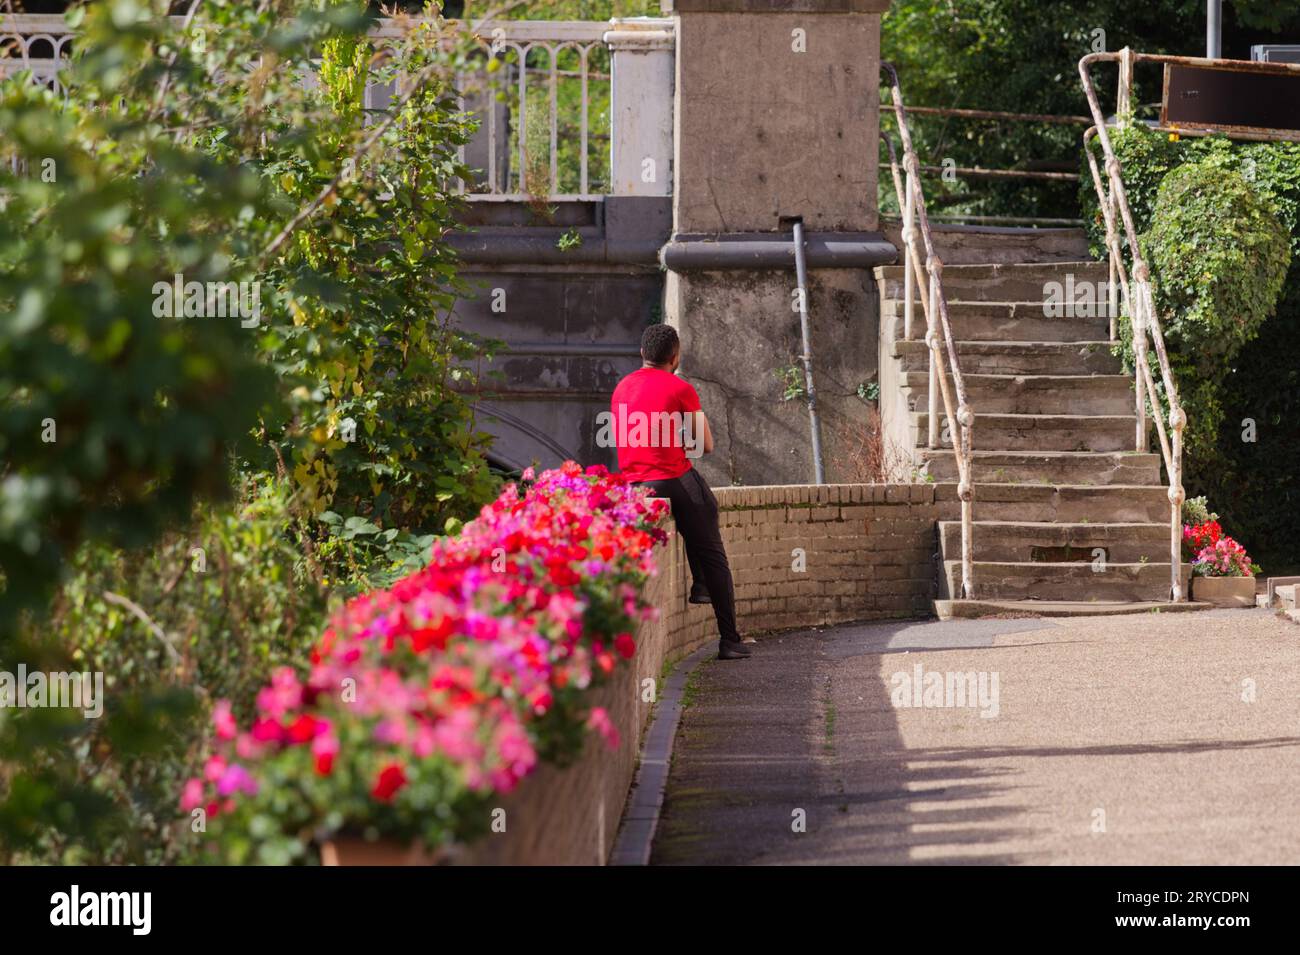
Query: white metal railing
{"type": "Point", "coordinates": [571, 110]}
{"type": "Point", "coordinates": [37, 42]}
{"type": "Point", "coordinates": [961, 421]}
{"type": "Point", "coordinates": [1136, 281]}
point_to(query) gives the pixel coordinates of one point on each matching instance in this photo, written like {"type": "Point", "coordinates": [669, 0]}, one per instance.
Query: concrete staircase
{"type": "Point", "coordinates": [1068, 518]}
{"type": "Point", "coordinates": [1283, 595]}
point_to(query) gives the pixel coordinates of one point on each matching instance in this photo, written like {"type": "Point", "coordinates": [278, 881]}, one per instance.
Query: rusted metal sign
{"type": "Point", "coordinates": [1249, 97]}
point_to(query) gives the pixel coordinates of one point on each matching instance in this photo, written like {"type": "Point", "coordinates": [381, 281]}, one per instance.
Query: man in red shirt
{"type": "Point", "coordinates": [658, 426]}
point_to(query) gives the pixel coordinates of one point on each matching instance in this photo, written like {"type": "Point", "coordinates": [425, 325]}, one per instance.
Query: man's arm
{"type": "Point", "coordinates": [699, 438]}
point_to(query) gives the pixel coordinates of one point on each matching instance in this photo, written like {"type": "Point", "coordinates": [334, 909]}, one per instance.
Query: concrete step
{"type": "Point", "coordinates": [966, 244]}
{"type": "Point", "coordinates": [1021, 541]}
{"type": "Point", "coordinates": [1025, 432]}
{"type": "Point", "coordinates": [1030, 394]}
{"type": "Point", "coordinates": [1028, 580]}
{"type": "Point", "coordinates": [1280, 593]}
{"type": "Point", "coordinates": [1016, 358]}
{"type": "Point", "coordinates": [1285, 597]}
{"type": "Point", "coordinates": [1006, 282]}
{"type": "Point", "coordinates": [1082, 468]}
{"type": "Point", "coordinates": [974, 609]}
{"type": "Point", "coordinates": [1000, 321]}
{"type": "Point", "coordinates": [1067, 504]}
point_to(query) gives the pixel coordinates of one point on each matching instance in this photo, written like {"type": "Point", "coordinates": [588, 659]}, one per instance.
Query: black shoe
{"type": "Point", "coordinates": [700, 598]}
{"type": "Point", "coordinates": [732, 650]}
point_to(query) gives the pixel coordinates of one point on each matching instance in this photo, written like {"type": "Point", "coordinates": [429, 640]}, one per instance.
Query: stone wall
{"type": "Point", "coordinates": [776, 115]}
{"type": "Point", "coordinates": [802, 556]}
{"type": "Point", "coordinates": [568, 322]}
{"type": "Point", "coordinates": [777, 120]}
{"type": "Point", "coordinates": [738, 331]}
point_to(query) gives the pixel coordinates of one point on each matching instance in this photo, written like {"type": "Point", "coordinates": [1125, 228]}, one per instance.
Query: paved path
{"type": "Point", "coordinates": [1135, 725]}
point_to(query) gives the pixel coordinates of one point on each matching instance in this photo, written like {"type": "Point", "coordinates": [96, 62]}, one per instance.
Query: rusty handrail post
{"type": "Point", "coordinates": [961, 420]}
{"type": "Point", "coordinates": [1141, 300]}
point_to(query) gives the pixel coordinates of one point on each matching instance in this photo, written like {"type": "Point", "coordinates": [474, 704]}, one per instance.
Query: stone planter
{"type": "Point", "coordinates": [1224, 591]}
{"type": "Point", "coordinates": [354, 850]}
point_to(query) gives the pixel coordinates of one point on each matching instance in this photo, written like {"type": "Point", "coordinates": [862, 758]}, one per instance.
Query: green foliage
{"type": "Point", "coordinates": [112, 420]}
{"type": "Point", "coordinates": [205, 154]}
{"type": "Point", "coordinates": [791, 378]}
{"type": "Point", "coordinates": [365, 556]}
{"type": "Point", "coordinates": [1196, 511]}
{"type": "Point", "coordinates": [1022, 56]}
{"type": "Point", "coordinates": [232, 595]}
{"type": "Point", "coordinates": [204, 171]}
{"type": "Point", "coordinates": [1219, 257]}
{"type": "Point", "coordinates": [1249, 464]}
{"type": "Point", "coordinates": [374, 371]}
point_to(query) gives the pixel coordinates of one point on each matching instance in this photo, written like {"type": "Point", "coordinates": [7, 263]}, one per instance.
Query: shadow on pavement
{"type": "Point", "coordinates": [805, 730]}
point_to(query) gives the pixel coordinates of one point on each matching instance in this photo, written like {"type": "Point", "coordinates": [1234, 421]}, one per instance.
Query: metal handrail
{"type": "Point", "coordinates": [1139, 302]}
{"type": "Point", "coordinates": [961, 423]}
{"type": "Point", "coordinates": [1139, 297]}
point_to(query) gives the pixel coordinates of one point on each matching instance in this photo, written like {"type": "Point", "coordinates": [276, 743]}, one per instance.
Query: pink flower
{"type": "Point", "coordinates": [236, 779]}
{"type": "Point", "coordinates": [460, 670]}
{"type": "Point", "coordinates": [192, 795]}
{"type": "Point", "coordinates": [214, 768]}
{"type": "Point", "coordinates": [284, 694]}
{"type": "Point", "coordinates": [224, 721]}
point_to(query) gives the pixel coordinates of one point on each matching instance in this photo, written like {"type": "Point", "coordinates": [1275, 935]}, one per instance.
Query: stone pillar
{"type": "Point", "coordinates": [776, 117]}
{"type": "Point", "coordinates": [641, 154]}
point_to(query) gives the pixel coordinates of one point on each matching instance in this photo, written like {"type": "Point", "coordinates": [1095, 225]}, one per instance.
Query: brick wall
{"type": "Point", "coordinates": [808, 556]}
{"type": "Point", "coordinates": [868, 552]}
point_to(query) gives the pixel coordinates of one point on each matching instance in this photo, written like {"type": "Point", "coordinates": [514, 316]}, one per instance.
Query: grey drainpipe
{"type": "Point", "coordinates": [801, 274]}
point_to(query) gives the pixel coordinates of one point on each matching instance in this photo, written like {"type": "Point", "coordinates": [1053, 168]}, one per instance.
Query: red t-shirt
{"type": "Point", "coordinates": [648, 411]}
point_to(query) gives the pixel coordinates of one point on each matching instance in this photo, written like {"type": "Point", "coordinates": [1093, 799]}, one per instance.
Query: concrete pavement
{"type": "Point", "coordinates": [1152, 739]}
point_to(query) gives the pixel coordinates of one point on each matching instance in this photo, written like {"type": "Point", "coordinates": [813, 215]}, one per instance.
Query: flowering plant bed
{"type": "Point", "coordinates": [1215, 554]}
{"type": "Point", "coordinates": [424, 701]}
{"type": "Point", "coordinates": [1225, 591]}
{"type": "Point", "coordinates": [1222, 570]}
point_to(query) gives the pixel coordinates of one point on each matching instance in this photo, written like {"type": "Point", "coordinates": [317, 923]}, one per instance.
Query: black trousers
{"type": "Point", "coordinates": [695, 512]}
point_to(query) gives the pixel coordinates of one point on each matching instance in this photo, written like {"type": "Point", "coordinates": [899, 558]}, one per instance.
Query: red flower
{"type": "Point", "coordinates": [391, 779]}
{"type": "Point", "coordinates": [324, 764]}
{"type": "Point", "coordinates": [434, 636]}
{"type": "Point", "coordinates": [625, 645]}
{"type": "Point", "coordinates": [302, 729]}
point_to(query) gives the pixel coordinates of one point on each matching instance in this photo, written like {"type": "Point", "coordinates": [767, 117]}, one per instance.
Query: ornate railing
{"type": "Point", "coordinates": [961, 420]}
{"type": "Point", "coordinates": [1135, 279]}
{"type": "Point", "coordinates": [570, 110]}
{"type": "Point", "coordinates": [37, 42]}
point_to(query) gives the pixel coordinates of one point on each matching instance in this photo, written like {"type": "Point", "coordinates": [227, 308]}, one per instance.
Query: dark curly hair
{"type": "Point", "coordinates": [659, 344]}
